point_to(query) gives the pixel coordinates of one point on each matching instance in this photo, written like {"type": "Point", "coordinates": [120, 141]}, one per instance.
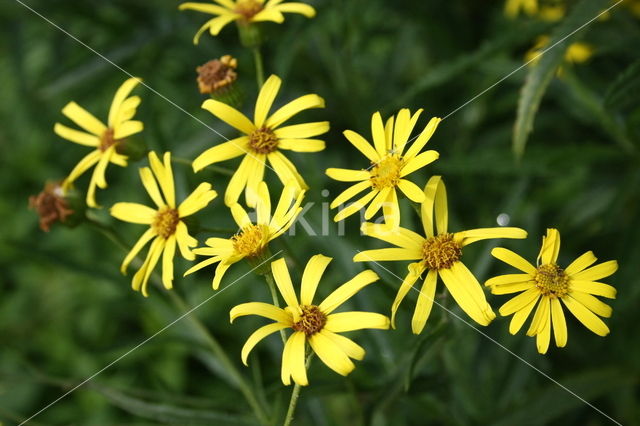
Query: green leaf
{"type": "Point", "coordinates": [624, 92]}
{"type": "Point", "coordinates": [540, 75]}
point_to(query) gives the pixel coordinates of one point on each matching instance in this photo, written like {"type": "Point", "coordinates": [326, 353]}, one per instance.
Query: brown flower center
{"type": "Point", "coordinates": [441, 252]}
{"type": "Point", "coordinates": [250, 241]}
{"type": "Point", "coordinates": [311, 321]}
{"type": "Point", "coordinates": [248, 8]}
{"type": "Point", "coordinates": [166, 222]}
{"type": "Point", "coordinates": [107, 140]}
{"type": "Point", "coordinates": [552, 281]}
{"type": "Point", "coordinates": [386, 173]}
{"type": "Point", "coordinates": [263, 141]}
{"type": "Point", "coordinates": [217, 74]}
{"type": "Point", "coordinates": [50, 205]}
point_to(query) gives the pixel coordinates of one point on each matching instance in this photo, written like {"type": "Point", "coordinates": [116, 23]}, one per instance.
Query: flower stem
{"type": "Point", "coordinates": [295, 394]}
{"type": "Point", "coordinates": [257, 56]}
{"type": "Point", "coordinates": [274, 296]}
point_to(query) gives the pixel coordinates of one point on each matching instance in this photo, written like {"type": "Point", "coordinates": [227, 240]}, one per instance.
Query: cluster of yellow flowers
{"type": "Point", "coordinates": [390, 158]}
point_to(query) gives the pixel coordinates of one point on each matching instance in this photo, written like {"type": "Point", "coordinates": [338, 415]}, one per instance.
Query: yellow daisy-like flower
{"type": "Point", "coordinates": [252, 239]}
{"type": "Point", "coordinates": [389, 166]}
{"type": "Point", "coordinates": [262, 140]}
{"type": "Point", "coordinates": [104, 138]}
{"type": "Point", "coordinates": [439, 253]}
{"type": "Point", "coordinates": [244, 12]}
{"type": "Point", "coordinates": [166, 226]}
{"type": "Point", "coordinates": [576, 285]}
{"type": "Point", "coordinates": [315, 324]}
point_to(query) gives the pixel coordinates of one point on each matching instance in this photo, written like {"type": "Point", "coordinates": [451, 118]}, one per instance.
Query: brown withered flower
{"type": "Point", "coordinates": [51, 205]}
{"type": "Point", "coordinates": [217, 74]}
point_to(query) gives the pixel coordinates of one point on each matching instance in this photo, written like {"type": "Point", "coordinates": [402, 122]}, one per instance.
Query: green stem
{"type": "Point", "coordinates": [212, 167]}
{"type": "Point", "coordinates": [257, 56]}
{"type": "Point", "coordinates": [214, 345]}
{"type": "Point", "coordinates": [295, 394]}
{"type": "Point", "coordinates": [274, 296]}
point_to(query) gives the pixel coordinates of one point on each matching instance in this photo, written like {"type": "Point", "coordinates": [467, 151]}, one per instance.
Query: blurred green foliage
{"type": "Point", "coordinates": [66, 312]}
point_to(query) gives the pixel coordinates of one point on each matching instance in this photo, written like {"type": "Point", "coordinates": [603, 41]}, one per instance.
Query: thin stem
{"type": "Point", "coordinates": [295, 394]}
{"type": "Point", "coordinates": [274, 296]}
{"type": "Point", "coordinates": [212, 167]}
{"type": "Point", "coordinates": [257, 56]}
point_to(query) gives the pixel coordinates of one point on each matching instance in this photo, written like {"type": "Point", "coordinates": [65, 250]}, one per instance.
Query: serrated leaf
{"type": "Point", "coordinates": [624, 92]}
{"type": "Point", "coordinates": [541, 74]}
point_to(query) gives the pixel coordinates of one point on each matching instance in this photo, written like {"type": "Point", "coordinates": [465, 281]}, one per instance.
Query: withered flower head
{"type": "Point", "coordinates": [217, 74]}
{"type": "Point", "coordinates": [51, 205]}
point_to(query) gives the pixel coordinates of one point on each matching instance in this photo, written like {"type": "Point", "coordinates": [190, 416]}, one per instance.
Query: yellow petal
{"type": "Point", "coordinates": [407, 284]}
{"type": "Point", "coordinates": [419, 162]}
{"type": "Point", "coordinates": [76, 136]}
{"type": "Point", "coordinates": [362, 145]}
{"type": "Point", "coordinates": [468, 293]}
{"type": "Point", "coordinates": [197, 200]}
{"type": "Point", "coordinates": [164, 175]}
{"type": "Point", "coordinates": [519, 302]}
{"type": "Point", "coordinates": [142, 241]}
{"type": "Point", "coordinates": [225, 151]}
{"type": "Point", "coordinates": [220, 271]}
{"type": "Point", "coordinates": [377, 203]}
{"type": "Point", "coordinates": [559, 323]}
{"type": "Point", "coordinates": [508, 279]}
{"type": "Point", "coordinates": [550, 247]}
{"type": "Point", "coordinates": [255, 177]}
{"type": "Point", "coordinates": [85, 164]}
{"type": "Point", "coordinates": [267, 95]}
{"type": "Point", "coordinates": [479, 234]}
{"type": "Point", "coordinates": [295, 7]}
{"type": "Point", "coordinates": [596, 272]}
{"type": "Point", "coordinates": [348, 346]}
{"type": "Point", "coordinates": [285, 371]}
{"type": "Point", "coordinates": [350, 321]}
{"type": "Point", "coordinates": [513, 287]}
{"type": "Point", "coordinates": [285, 169]}
{"type": "Point", "coordinates": [411, 190]}
{"type": "Point", "coordinates": [283, 281]}
{"type": "Point", "coordinates": [302, 131]}
{"type": "Point", "coordinates": [404, 127]}
{"type": "Point", "coordinates": [204, 7]}
{"type": "Point", "coordinates": [586, 317]}
{"type": "Point", "coordinates": [185, 241]}
{"type": "Point", "coordinates": [386, 254]}
{"type": "Point", "coordinates": [434, 206]}
{"type": "Point", "coordinates": [544, 336]}
{"type": "Point", "coordinates": [151, 186]}
{"type": "Point", "coordinates": [84, 119]}
{"type": "Point", "coordinates": [349, 193]}
{"type": "Point", "coordinates": [331, 354]}
{"type": "Point", "coordinates": [377, 132]}
{"type": "Point", "coordinates": [257, 336]}
{"type": "Point", "coordinates": [141, 278]}
{"type": "Point", "coordinates": [513, 259]}
{"type": "Point", "coordinates": [540, 318]}
{"type": "Point", "coordinates": [128, 109]}
{"type": "Point", "coordinates": [238, 182]}
{"type": "Point", "coordinates": [133, 213]}
{"type": "Point", "coordinates": [128, 128]}
{"type": "Point", "coordinates": [240, 216]}
{"type": "Point", "coordinates": [229, 115]}
{"type": "Point", "coordinates": [270, 14]}
{"type": "Point", "coordinates": [311, 277]}
{"type": "Point", "coordinates": [167, 262]}
{"type": "Point", "coordinates": [123, 91]}
{"type": "Point", "coordinates": [581, 263]}
{"type": "Point", "coordinates": [301, 145]}
{"type": "Point", "coordinates": [297, 358]}
{"type": "Point", "coordinates": [348, 175]}
{"type": "Point", "coordinates": [400, 237]}
{"type": "Point", "coordinates": [355, 206]}
{"type": "Point", "coordinates": [422, 140]}
{"type": "Point", "coordinates": [265, 310]}
{"type": "Point", "coordinates": [391, 211]}
{"type": "Point", "coordinates": [388, 134]}
{"type": "Point", "coordinates": [346, 290]}
{"type": "Point", "coordinates": [425, 303]}
{"type": "Point", "coordinates": [292, 108]}
{"type": "Point", "coordinates": [592, 303]}
{"type": "Point", "coordinates": [289, 193]}
{"type": "Point", "coordinates": [202, 264]}
{"type": "Point", "coordinates": [591, 287]}
{"type": "Point", "coordinates": [518, 319]}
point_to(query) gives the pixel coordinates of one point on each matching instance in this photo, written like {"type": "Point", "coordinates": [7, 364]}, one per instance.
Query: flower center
{"type": "Point", "coordinates": [250, 241]}
{"type": "Point", "coordinates": [263, 141]}
{"type": "Point", "coordinates": [386, 173]}
{"type": "Point", "coordinates": [248, 8]}
{"type": "Point", "coordinates": [441, 252]}
{"type": "Point", "coordinates": [217, 74]}
{"type": "Point", "coordinates": [165, 222]}
{"type": "Point", "coordinates": [552, 281]}
{"type": "Point", "coordinates": [107, 140]}
{"type": "Point", "coordinates": [311, 321]}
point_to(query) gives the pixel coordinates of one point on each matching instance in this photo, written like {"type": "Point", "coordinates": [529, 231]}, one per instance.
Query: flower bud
{"type": "Point", "coordinates": [55, 204]}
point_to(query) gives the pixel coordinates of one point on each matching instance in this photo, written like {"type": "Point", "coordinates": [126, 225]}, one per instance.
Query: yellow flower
{"type": "Point", "coordinates": [166, 227]}
{"type": "Point", "coordinates": [311, 323]}
{"type": "Point", "coordinates": [104, 138]}
{"type": "Point", "coordinates": [262, 140]}
{"type": "Point", "coordinates": [577, 53]}
{"type": "Point", "coordinates": [245, 12]}
{"type": "Point", "coordinates": [439, 253]}
{"type": "Point", "coordinates": [548, 283]}
{"type": "Point", "coordinates": [389, 166]}
{"type": "Point", "coordinates": [252, 239]}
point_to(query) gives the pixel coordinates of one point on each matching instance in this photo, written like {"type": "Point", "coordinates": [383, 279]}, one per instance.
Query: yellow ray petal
{"type": "Point", "coordinates": [544, 336]}
{"type": "Point", "coordinates": [348, 346]}
{"type": "Point", "coordinates": [331, 354]}
{"type": "Point", "coordinates": [225, 151]}
{"type": "Point", "coordinates": [355, 206]}
{"type": "Point", "coordinates": [592, 303]}
{"type": "Point", "coordinates": [348, 175]}
{"type": "Point", "coordinates": [285, 169]}
{"type": "Point", "coordinates": [425, 303]}
{"type": "Point", "coordinates": [270, 14]}
{"type": "Point", "coordinates": [349, 193]}
{"type": "Point", "coordinates": [540, 318]}
{"type": "Point", "coordinates": [220, 271]}
{"type": "Point", "coordinates": [362, 145]}
{"type": "Point", "coordinates": [264, 310]}
{"type": "Point", "coordinates": [596, 272]}
{"type": "Point", "coordinates": [519, 302]}
{"type": "Point", "coordinates": [285, 370]}
{"type": "Point", "coordinates": [164, 175]}
{"type": "Point", "coordinates": [350, 321]}
{"type": "Point", "coordinates": [120, 96]}
{"type": "Point", "coordinates": [257, 336]}
{"type": "Point", "coordinates": [591, 287]}
{"type": "Point", "coordinates": [403, 130]}
{"type": "Point", "coordinates": [167, 262]}
{"type": "Point", "coordinates": [128, 128]}
{"type": "Point", "coordinates": [297, 358]}
{"type": "Point", "coordinates": [197, 200]}
{"type": "Point", "coordinates": [391, 211]}
{"type": "Point", "coordinates": [141, 278]}
{"type": "Point", "coordinates": [238, 182]}
{"type": "Point", "coordinates": [240, 216]}
{"type": "Point", "coordinates": [302, 131]}
{"type": "Point", "coordinates": [582, 262]}
{"type": "Point", "coordinates": [311, 277]}
{"type": "Point", "coordinates": [513, 287]}
{"type": "Point", "coordinates": [85, 164]}
{"type": "Point", "coordinates": [422, 140]}
{"type": "Point", "coordinates": [376, 204]}
{"type": "Point", "coordinates": [204, 7]}
{"type": "Point", "coordinates": [479, 234]}
{"type": "Point", "coordinates": [202, 264]}
{"type": "Point", "coordinates": [559, 323]}
{"type": "Point", "coordinates": [518, 319]}
{"type": "Point", "coordinates": [386, 254]}
{"type": "Point", "coordinates": [133, 213]}
{"type": "Point", "coordinates": [377, 132]}
{"type": "Point", "coordinates": [414, 273]}
{"type": "Point", "coordinates": [586, 317]}
{"type": "Point", "coordinates": [470, 293]}
{"type": "Point", "coordinates": [267, 95]}
{"type": "Point", "coordinates": [508, 279]}
{"type": "Point", "coordinates": [295, 7]}
{"type": "Point", "coordinates": [302, 145]}
{"type": "Point", "coordinates": [513, 259]}
{"type": "Point", "coordinates": [292, 108]}
{"type": "Point", "coordinates": [142, 241]}
{"type": "Point", "coordinates": [283, 281]}
{"type": "Point", "coordinates": [346, 290]}
{"type": "Point", "coordinates": [229, 115]}
{"type": "Point", "coordinates": [419, 162]}
{"type": "Point", "coordinates": [84, 119]}
{"type": "Point", "coordinates": [185, 241]}
{"type": "Point", "coordinates": [400, 237]}
{"type": "Point", "coordinates": [411, 190]}
{"type": "Point", "coordinates": [79, 137]}
{"type": "Point", "coordinates": [151, 186]}
{"type": "Point", "coordinates": [550, 247]}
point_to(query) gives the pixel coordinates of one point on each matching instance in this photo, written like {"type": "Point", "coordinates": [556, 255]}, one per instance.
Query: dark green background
{"type": "Point", "coordinates": [66, 311]}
